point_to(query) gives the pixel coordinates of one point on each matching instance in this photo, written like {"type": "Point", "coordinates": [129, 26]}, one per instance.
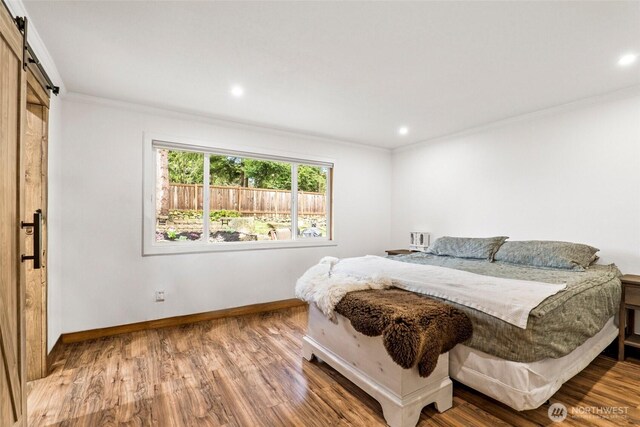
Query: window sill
{"type": "Point", "coordinates": [193, 248]}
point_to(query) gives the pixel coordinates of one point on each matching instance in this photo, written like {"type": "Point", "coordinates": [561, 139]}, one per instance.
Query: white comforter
{"type": "Point", "coordinates": [508, 299]}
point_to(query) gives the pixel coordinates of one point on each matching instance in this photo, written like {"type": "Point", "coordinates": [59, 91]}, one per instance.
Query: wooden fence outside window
{"type": "Point", "coordinates": [257, 201]}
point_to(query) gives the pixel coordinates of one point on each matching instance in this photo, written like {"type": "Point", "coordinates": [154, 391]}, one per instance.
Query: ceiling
{"type": "Point", "coordinates": [351, 70]}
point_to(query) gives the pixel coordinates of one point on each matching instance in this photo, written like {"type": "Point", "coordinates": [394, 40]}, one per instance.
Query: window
{"type": "Point", "coordinates": [199, 198]}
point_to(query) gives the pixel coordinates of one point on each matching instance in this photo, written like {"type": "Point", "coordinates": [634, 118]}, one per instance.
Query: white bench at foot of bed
{"type": "Point", "coordinates": [363, 360]}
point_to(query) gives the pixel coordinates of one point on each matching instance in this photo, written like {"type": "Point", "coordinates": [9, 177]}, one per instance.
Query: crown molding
{"type": "Point", "coordinates": [627, 92]}
{"type": "Point", "coordinates": [215, 120]}
{"type": "Point", "coordinates": [35, 41]}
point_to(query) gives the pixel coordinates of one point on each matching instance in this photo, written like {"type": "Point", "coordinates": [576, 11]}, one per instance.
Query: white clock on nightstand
{"type": "Point", "coordinates": [419, 240]}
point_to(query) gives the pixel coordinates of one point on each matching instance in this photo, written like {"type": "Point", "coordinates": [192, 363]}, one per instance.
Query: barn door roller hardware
{"type": "Point", "coordinates": [23, 26]}
{"type": "Point", "coordinates": [29, 57]}
{"type": "Point", "coordinates": [37, 239]}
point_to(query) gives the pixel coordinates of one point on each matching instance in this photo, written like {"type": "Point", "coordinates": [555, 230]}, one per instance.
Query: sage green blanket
{"type": "Point", "coordinates": [555, 327]}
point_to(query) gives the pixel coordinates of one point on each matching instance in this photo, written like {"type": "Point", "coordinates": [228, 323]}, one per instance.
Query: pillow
{"type": "Point", "coordinates": [548, 254]}
{"type": "Point", "coordinates": [467, 247]}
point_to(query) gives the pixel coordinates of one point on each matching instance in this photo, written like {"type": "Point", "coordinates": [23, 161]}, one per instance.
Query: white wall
{"type": "Point", "coordinates": [107, 282]}
{"type": "Point", "coordinates": [568, 174]}
{"type": "Point", "coordinates": [572, 174]}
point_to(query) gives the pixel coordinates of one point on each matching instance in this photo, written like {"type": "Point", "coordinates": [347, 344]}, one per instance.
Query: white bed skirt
{"type": "Point", "coordinates": [525, 386]}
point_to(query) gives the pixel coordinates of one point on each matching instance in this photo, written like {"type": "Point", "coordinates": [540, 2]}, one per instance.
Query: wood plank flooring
{"type": "Point", "coordinates": [249, 371]}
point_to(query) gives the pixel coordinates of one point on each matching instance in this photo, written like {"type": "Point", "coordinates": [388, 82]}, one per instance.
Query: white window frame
{"type": "Point", "coordinates": [151, 247]}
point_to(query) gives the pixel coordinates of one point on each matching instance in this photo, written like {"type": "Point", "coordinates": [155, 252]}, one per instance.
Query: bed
{"type": "Point", "coordinates": [520, 362]}
{"type": "Point", "coordinates": [523, 368]}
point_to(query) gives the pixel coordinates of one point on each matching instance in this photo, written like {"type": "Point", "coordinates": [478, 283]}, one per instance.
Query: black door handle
{"type": "Point", "coordinates": [37, 239]}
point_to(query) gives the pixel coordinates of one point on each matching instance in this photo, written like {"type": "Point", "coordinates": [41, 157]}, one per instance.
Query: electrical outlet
{"type": "Point", "coordinates": [159, 296]}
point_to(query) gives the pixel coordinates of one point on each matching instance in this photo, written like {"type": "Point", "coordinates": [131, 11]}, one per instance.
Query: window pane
{"type": "Point", "coordinates": [179, 178]}
{"type": "Point", "coordinates": [249, 199]}
{"type": "Point", "coordinates": [312, 201]}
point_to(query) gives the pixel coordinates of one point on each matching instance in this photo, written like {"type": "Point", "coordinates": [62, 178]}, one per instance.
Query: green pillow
{"type": "Point", "coordinates": [467, 247]}
{"type": "Point", "coordinates": [548, 254]}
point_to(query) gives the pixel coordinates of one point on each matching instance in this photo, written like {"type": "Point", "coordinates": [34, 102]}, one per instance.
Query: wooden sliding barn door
{"type": "Point", "coordinates": [12, 280]}
{"type": "Point", "coordinates": [35, 196]}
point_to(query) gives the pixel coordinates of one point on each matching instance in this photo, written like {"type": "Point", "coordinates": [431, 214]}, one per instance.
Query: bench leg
{"type": "Point", "coordinates": [408, 415]}
{"type": "Point", "coordinates": [307, 351]}
{"type": "Point", "coordinates": [444, 398]}
{"type": "Point", "coordinates": [398, 416]}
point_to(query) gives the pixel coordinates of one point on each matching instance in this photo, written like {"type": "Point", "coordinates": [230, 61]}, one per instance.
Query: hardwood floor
{"type": "Point", "coordinates": [248, 371]}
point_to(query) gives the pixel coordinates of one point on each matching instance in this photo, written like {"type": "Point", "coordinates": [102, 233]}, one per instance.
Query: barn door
{"type": "Point", "coordinates": [12, 281]}
{"type": "Point", "coordinates": [34, 162]}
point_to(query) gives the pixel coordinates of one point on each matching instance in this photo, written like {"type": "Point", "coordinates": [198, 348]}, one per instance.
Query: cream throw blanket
{"type": "Point", "coordinates": [508, 299]}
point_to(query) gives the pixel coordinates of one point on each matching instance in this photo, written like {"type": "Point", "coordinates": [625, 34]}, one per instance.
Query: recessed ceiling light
{"type": "Point", "coordinates": [627, 59]}
{"type": "Point", "coordinates": [237, 91]}
{"type": "Point", "coordinates": [403, 130]}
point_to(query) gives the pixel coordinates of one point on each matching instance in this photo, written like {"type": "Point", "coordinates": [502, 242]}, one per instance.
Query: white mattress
{"type": "Point", "coordinates": [524, 385]}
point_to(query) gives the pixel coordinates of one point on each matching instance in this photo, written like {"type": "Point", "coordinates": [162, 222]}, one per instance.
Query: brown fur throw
{"type": "Point", "coordinates": [415, 329]}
